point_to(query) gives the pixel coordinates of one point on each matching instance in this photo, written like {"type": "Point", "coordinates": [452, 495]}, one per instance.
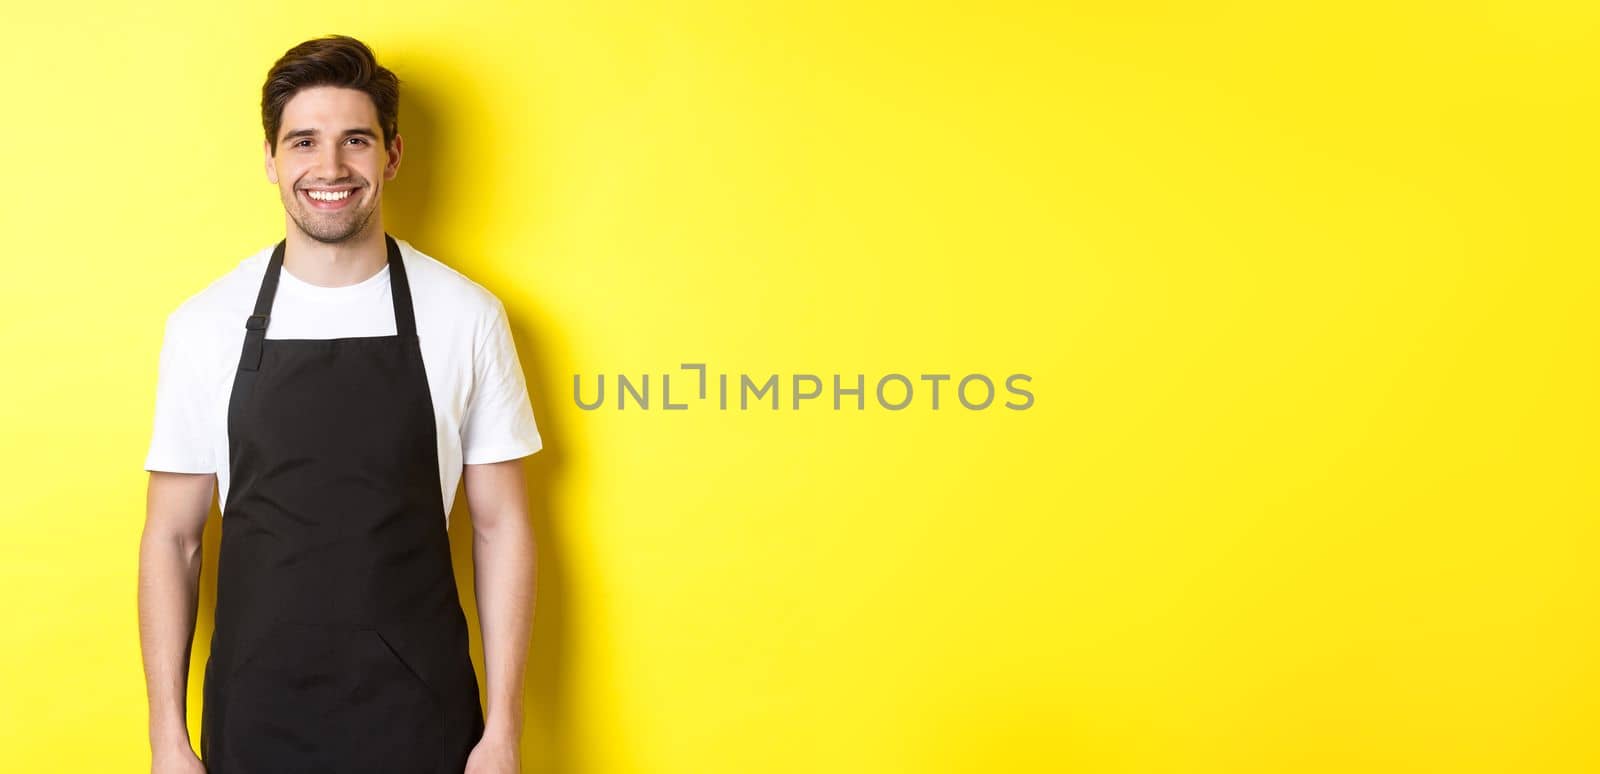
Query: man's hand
{"type": "Point", "coordinates": [177, 760]}
{"type": "Point", "coordinates": [495, 754]}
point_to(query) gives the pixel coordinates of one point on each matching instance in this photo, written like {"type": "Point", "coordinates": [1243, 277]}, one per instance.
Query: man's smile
{"type": "Point", "coordinates": [329, 198]}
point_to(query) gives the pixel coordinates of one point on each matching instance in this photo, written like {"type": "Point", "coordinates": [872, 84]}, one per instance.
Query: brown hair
{"type": "Point", "coordinates": [332, 60]}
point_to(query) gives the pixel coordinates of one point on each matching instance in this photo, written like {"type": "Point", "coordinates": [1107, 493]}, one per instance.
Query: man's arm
{"type": "Point", "coordinates": [169, 578]}
{"type": "Point", "coordinates": [503, 551]}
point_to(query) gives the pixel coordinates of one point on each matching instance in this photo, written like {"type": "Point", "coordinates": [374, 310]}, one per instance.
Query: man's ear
{"type": "Point", "coordinates": [393, 166]}
{"type": "Point", "coordinates": [272, 170]}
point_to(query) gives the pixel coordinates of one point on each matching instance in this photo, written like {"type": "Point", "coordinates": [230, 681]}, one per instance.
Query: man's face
{"type": "Point", "coordinates": [330, 164]}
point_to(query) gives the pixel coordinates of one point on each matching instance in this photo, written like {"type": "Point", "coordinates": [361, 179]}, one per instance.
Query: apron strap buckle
{"type": "Point", "coordinates": [255, 330]}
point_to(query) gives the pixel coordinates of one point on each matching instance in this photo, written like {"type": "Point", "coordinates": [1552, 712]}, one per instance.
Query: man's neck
{"type": "Point", "coordinates": [335, 265]}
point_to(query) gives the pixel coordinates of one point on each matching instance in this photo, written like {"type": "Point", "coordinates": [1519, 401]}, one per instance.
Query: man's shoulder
{"type": "Point", "coordinates": [440, 286]}
{"type": "Point", "coordinates": [221, 300]}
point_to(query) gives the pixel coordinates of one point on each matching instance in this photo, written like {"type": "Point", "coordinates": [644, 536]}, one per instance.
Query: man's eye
{"type": "Point", "coordinates": [361, 140]}
{"type": "Point", "coordinates": [298, 142]}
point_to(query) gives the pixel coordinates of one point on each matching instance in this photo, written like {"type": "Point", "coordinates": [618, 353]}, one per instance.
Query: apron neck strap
{"type": "Point", "coordinates": [405, 318]}
{"type": "Point", "coordinates": [255, 326]}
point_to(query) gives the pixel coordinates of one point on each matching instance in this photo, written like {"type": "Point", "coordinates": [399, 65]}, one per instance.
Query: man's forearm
{"type": "Point", "coordinates": [169, 580]}
{"type": "Point", "coordinates": [504, 575]}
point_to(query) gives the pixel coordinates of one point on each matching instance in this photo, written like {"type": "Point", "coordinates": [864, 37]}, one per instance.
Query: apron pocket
{"type": "Point", "coordinates": [281, 698]}
{"type": "Point", "coordinates": [395, 721]}
{"type": "Point", "coordinates": [312, 697]}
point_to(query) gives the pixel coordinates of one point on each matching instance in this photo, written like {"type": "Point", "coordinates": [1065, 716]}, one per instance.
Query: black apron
{"type": "Point", "coordinates": [340, 645]}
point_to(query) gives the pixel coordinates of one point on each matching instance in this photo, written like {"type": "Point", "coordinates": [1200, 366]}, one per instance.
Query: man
{"type": "Point", "coordinates": [336, 387]}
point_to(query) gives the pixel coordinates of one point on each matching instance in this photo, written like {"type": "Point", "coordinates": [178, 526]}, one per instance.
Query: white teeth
{"type": "Point", "coordinates": [329, 196]}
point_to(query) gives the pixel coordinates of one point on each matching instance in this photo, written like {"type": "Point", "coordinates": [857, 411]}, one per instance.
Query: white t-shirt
{"type": "Point", "coordinates": [480, 400]}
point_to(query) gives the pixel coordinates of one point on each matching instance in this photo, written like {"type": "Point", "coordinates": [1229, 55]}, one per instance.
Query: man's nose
{"type": "Point", "coordinates": [328, 163]}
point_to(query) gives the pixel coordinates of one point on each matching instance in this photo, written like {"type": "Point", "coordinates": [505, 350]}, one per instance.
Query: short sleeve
{"type": "Point", "coordinates": [180, 441]}
{"type": "Point", "coordinates": [499, 422]}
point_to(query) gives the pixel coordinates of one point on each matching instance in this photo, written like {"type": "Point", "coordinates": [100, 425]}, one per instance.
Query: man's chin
{"type": "Point", "coordinates": [331, 233]}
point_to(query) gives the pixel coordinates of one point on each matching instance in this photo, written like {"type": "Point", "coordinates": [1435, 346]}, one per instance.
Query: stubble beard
{"type": "Point", "coordinates": [333, 230]}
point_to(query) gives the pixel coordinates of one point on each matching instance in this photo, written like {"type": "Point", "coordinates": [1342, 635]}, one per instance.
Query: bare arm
{"type": "Point", "coordinates": [169, 579]}
{"type": "Point", "coordinates": [503, 551]}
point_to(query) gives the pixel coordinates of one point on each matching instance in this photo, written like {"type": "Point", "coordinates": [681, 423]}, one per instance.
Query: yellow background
{"type": "Point", "coordinates": [1307, 295]}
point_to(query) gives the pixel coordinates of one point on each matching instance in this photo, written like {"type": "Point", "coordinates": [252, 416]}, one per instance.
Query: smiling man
{"type": "Point", "coordinates": [335, 387]}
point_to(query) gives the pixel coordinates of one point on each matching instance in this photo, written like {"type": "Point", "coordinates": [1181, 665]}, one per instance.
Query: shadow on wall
{"type": "Point", "coordinates": [410, 214]}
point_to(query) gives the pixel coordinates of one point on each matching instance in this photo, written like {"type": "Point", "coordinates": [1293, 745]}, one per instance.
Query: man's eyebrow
{"type": "Point", "coordinates": [360, 131]}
